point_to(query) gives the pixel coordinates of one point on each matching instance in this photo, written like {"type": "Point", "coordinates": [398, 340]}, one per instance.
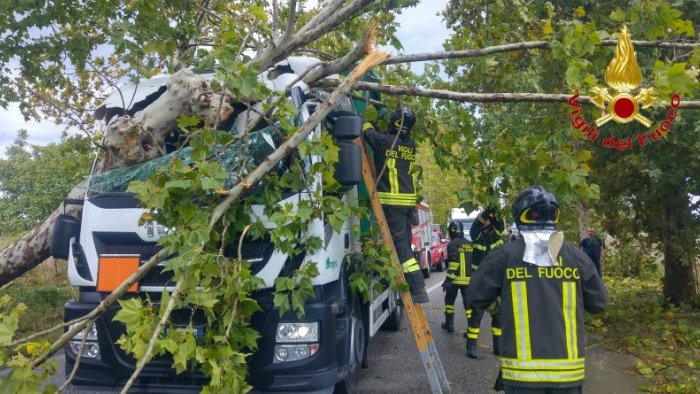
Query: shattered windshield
{"type": "Point", "coordinates": [260, 144]}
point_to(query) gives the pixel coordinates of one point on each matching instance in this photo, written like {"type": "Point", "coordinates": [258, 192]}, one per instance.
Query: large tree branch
{"type": "Point", "coordinates": [322, 15]}
{"type": "Point", "coordinates": [342, 64]}
{"type": "Point", "coordinates": [302, 132]}
{"type": "Point", "coordinates": [309, 33]}
{"type": "Point", "coordinates": [520, 46]}
{"type": "Point", "coordinates": [291, 18]}
{"type": "Point", "coordinates": [133, 140]}
{"type": "Point", "coordinates": [476, 97]}
{"type": "Point", "coordinates": [103, 306]}
{"type": "Point", "coordinates": [33, 248]}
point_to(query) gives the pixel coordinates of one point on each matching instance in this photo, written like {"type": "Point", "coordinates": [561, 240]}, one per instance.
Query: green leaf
{"type": "Point", "coordinates": [178, 184]}
{"type": "Point", "coordinates": [258, 13]}
{"type": "Point", "coordinates": [130, 311]}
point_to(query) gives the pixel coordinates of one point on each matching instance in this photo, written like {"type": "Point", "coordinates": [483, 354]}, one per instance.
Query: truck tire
{"type": "Point", "coordinates": [394, 322]}
{"type": "Point", "coordinates": [358, 348]}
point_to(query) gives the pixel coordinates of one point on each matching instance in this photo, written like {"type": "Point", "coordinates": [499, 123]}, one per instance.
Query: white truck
{"type": "Point", "coordinates": [337, 325]}
{"type": "Point", "coordinates": [460, 215]}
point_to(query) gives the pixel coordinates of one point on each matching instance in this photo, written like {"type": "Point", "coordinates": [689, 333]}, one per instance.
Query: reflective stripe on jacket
{"type": "Point", "coordinates": [542, 311]}
{"type": "Point", "coordinates": [482, 241]}
{"type": "Point", "coordinates": [397, 186]}
{"type": "Point", "coordinates": [458, 255]}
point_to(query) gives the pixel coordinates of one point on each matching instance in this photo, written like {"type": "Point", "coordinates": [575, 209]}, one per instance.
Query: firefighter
{"type": "Point", "coordinates": [545, 285]}
{"type": "Point", "coordinates": [486, 233]}
{"type": "Point", "coordinates": [394, 158]}
{"type": "Point", "coordinates": [457, 278]}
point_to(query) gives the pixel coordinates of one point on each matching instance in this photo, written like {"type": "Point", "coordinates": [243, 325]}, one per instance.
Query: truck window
{"type": "Point", "coordinates": [260, 144]}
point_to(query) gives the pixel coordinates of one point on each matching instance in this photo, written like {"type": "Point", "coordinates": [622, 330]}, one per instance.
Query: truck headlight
{"type": "Point", "coordinates": [91, 335]}
{"type": "Point", "coordinates": [297, 332]}
{"type": "Point", "coordinates": [284, 353]}
{"type": "Point", "coordinates": [91, 349]}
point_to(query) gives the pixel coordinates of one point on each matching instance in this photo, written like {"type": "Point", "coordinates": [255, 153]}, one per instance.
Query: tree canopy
{"type": "Point", "coordinates": [492, 125]}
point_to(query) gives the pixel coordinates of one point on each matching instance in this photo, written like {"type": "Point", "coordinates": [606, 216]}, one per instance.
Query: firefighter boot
{"type": "Point", "coordinates": [471, 348]}
{"type": "Point", "coordinates": [449, 323]}
{"type": "Point", "coordinates": [416, 285]}
{"type": "Point", "coordinates": [497, 345]}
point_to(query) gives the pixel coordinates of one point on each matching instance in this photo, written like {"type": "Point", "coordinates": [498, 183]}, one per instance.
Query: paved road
{"type": "Point", "coordinates": [395, 367]}
{"type": "Point", "coordinates": [394, 363]}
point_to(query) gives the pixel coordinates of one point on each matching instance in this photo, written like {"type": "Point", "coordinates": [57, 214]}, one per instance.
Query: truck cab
{"type": "Point", "coordinates": [337, 324]}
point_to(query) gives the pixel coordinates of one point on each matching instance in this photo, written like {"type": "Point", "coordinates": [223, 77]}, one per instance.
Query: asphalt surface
{"type": "Point", "coordinates": [395, 365]}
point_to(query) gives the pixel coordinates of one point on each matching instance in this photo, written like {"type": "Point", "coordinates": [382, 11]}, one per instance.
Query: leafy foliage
{"type": "Point", "coordinates": [35, 179]}
{"type": "Point", "coordinates": [666, 340]}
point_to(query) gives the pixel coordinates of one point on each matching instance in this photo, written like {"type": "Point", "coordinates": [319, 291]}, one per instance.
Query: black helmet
{"type": "Point", "coordinates": [455, 229]}
{"type": "Point", "coordinates": [536, 209]}
{"type": "Point", "coordinates": [401, 120]}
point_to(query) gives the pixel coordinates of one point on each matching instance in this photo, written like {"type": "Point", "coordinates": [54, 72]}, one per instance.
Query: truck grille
{"type": "Point", "coordinates": [257, 252]}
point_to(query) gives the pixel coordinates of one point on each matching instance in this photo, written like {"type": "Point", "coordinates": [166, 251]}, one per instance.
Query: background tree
{"type": "Point", "coordinates": [62, 71]}
{"type": "Point", "coordinates": [521, 144]}
{"type": "Point", "coordinates": [34, 179]}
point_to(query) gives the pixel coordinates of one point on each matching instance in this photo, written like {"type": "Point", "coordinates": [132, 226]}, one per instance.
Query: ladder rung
{"type": "Point", "coordinates": [416, 316]}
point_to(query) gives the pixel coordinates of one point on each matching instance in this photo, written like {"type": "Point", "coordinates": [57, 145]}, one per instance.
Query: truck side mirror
{"type": "Point", "coordinates": [65, 227]}
{"type": "Point", "coordinates": [348, 169]}
{"type": "Point", "coordinates": [347, 127]}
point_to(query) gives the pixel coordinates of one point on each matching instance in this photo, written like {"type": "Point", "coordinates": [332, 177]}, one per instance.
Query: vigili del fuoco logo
{"type": "Point", "coordinates": [626, 102]}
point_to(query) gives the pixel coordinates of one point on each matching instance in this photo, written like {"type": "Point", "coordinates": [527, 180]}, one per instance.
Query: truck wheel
{"type": "Point", "coordinates": [358, 349]}
{"type": "Point", "coordinates": [393, 323]}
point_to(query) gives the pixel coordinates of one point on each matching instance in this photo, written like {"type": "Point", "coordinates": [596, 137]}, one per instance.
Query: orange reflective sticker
{"type": "Point", "coordinates": [114, 270]}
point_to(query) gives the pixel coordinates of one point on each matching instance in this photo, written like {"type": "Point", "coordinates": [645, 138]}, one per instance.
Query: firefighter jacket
{"type": "Point", "coordinates": [397, 186]}
{"type": "Point", "coordinates": [542, 310]}
{"type": "Point", "coordinates": [483, 239]}
{"type": "Point", "coordinates": [458, 255]}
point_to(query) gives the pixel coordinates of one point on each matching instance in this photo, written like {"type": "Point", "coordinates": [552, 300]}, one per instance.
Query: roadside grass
{"type": "Point", "coordinates": [44, 290]}
{"type": "Point", "coordinates": [666, 340]}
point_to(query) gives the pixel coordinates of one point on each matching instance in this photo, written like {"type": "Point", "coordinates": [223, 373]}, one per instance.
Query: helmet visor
{"type": "Point", "coordinates": [540, 213]}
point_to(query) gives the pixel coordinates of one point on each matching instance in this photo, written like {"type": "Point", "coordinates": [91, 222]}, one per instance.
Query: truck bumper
{"type": "Point", "coordinates": [317, 373]}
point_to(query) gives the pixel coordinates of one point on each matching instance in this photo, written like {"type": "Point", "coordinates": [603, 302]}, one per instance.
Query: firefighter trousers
{"type": "Point", "coordinates": [399, 221]}
{"type": "Point", "coordinates": [451, 296]}
{"type": "Point", "coordinates": [475, 324]}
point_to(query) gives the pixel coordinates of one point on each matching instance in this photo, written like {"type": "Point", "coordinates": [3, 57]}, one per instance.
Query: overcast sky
{"type": "Point", "coordinates": [422, 30]}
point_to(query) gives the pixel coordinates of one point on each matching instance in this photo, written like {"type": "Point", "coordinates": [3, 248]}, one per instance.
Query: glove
{"type": "Point", "coordinates": [447, 285]}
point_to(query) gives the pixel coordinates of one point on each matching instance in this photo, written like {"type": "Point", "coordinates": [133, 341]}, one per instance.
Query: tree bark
{"type": "Point", "coordinates": [132, 140]}
{"type": "Point", "coordinates": [33, 248]}
{"type": "Point", "coordinates": [478, 97]}
{"type": "Point", "coordinates": [521, 46]}
{"type": "Point", "coordinates": [678, 240]}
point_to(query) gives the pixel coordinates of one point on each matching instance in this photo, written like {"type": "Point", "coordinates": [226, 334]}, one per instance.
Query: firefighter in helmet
{"type": "Point", "coordinates": [457, 278]}
{"type": "Point", "coordinates": [486, 233]}
{"type": "Point", "coordinates": [394, 159]}
{"type": "Point", "coordinates": [545, 285]}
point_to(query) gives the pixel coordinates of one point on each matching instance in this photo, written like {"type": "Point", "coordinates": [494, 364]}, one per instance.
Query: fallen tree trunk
{"type": "Point", "coordinates": [33, 248]}
{"type": "Point", "coordinates": [128, 141]}
{"type": "Point", "coordinates": [132, 140]}
{"type": "Point", "coordinates": [232, 196]}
